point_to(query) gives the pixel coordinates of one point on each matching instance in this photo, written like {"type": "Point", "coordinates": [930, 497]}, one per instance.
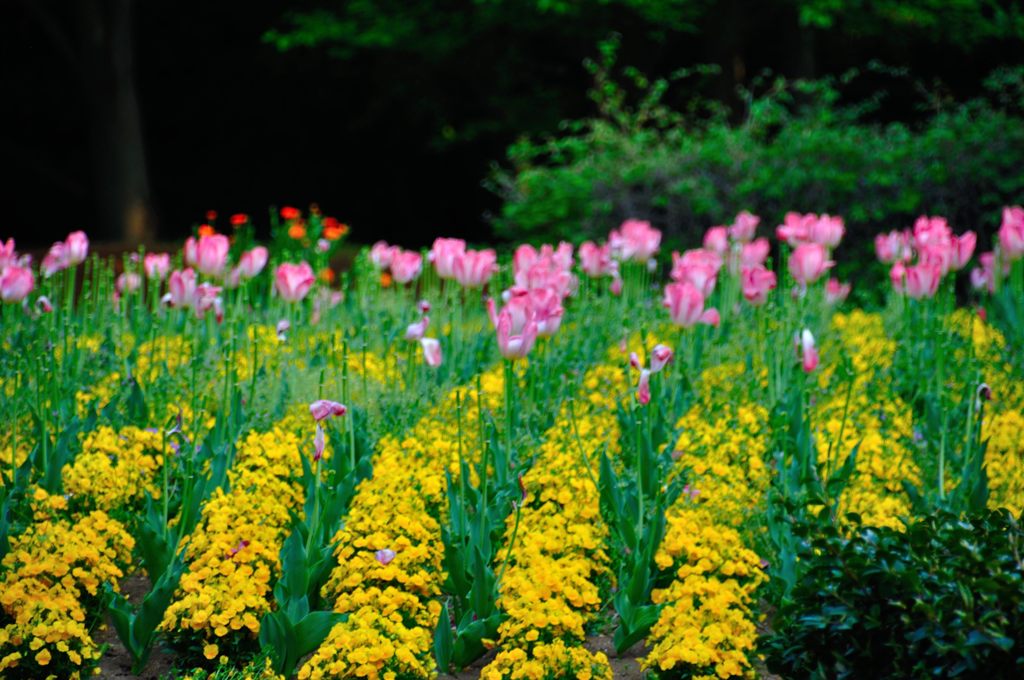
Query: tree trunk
{"type": "Point", "coordinates": [122, 184]}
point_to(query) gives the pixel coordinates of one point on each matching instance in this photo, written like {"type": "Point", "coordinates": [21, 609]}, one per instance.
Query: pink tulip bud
{"type": "Point", "coordinates": [807, 350]}
{"type": "Point", "coordinates": [128, 282]}
{"type": "Point", "coordinates": [796, 228]}
{"type": "Point", "coordinates": [293, 281]}
{"type": "Point", "coordinates": [443, 255]}
{"type": "Point", "coordinates": [211, 254]}
{"type": "Point", "coordinates": [8, 255]}
{"type": "Point", "coordinates": [634, 361]}
{"type": "Point", "coordinates": [547, 309]}
{"type": "Point", "coordinates": [716, 239]}
{"type": "Point", "coordinates": [745, 226]}
{"type": "Point", "coordinates": [431, 351]}
{"type": "Point", "coordinates": [406, 266]}
{"type": "Point", "coordinates": [252, 262]}
{"type": "Point", "coordinates": [16, 283]}
{"type": "Point", "coordinates": [755, 253]}
{"type": "Point", "coordinates": [660, 355]}
{"type": "Point", "coordinates": [808, 262]}
{"type": "Point", "coordinates": [643, 388]}
{"type": "Point", "coordinates": [1011, 232]}
{"type": "Point", "coordinates": [385, 556]}
{"type": "Point", "coordinates": [318, 443]}
{"type": "Point", "coordinates": [207, 297]}
{"type": "Point", "coordinates": [156, 266]}
{"type": "Point", "coordinates": [889, 247]}
{"type": "Point", "coordinates": [77, 244]}
{"type": "Point", "coordinates": [323, 409]}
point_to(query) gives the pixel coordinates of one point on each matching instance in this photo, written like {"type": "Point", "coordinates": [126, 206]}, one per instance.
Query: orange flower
{"type": "Point", "coordinates": [385, 279]}
{"type": "Point", "coordinates": [327, 275]}
{"type": "Point", "coordinates": [297, 230]}
{"type": "Point", "coordinates": [334, 233]}
{"type": "Point", "coordinates": [206, 230]}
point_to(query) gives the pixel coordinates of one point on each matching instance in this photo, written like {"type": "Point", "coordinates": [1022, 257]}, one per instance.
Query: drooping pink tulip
{"type": "Point", "coordinates": [716, 239]}
{"type": "Point", "coordinates": [685, 305]}
{"type": "Point", "coordinates": [756, 283]}
{"type": "Point", "coordinates": [807, 350]}
{"type": "Point", "coordinates": [406, 266]}
{"type": "Point", "coordinates": [182, 288]}
{"type": "Point", "coordinates": [415, 331]}
{"type": "Point", "coordinates": [381, 254]}
{"type": "Point", "coordinates": [322, 409]}
{"type": "Point", "coordinates": [923, 280]}
{"type": "Point", "coordinates": [809, 262]}
{"type": "Point", "coordinates": [517, 331]}
{"type": "Point", "coordinates": [211, 254]}
{"type": "Point", "coordinates": [16, 283]}
{"type": "Point", "coordinates": [643, 388]}
{"type": "Point", "coordinates": [836, 292]}
{"type": "Point", "coordinates": [660, 355]}
{"type": "Point", "coordinates": [293, 281]}
{"type": "Point", "coordinates": [474, 268]}
{"type": "Point", "coordinates": [745, 226]}
{"type": "Point", "coordinates": [252, 262]}
{"type": "Point", "coordinates": [156, 266]}
{"type": "Point", "coordinates": [443, 255]}
{"type": "Point", "coordinates": [596, 261]}
{"type": "Point", "coordinates": [77, 244]}
{"type": "Point", "coordinates": [431, 351]}
{"type": "Point", "coordinates": [635, 240]}
{"type": "Point", "coordinates": [827, 230]}
{"type": "Point", "coordinates": [1011, 232]}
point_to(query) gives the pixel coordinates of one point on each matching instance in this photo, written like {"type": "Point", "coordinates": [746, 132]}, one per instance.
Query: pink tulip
{"type": "Point", "coordinates": [207, 297]}
{"type": "Point", "coordinates": [634, 361]}
{"type": "Point", "coordinates": [745, 226]}
{"type": "Point", "coordinates": [807, 350]}
{"type": "Point", "coordinates": [1011, 232]}
{"type": "Point", "coordinates": [643, 388]}
{"type": "Point", "coordinates": [596, 261]}
{"type": "Point", "coordinates": [982, 279]}
{"type": "Point", "coordinates": [252, 262]}
{"type": "Point", "coordinates": [77, 244]}
{"type": "Point", "coordinates": [474, 268]}
{"type": "Point", "coordinates": [716, 239]}
{"type": "Point", "coordinates": [431, 351]}
{"type": "Point", "coordinates": [836, 292]}
{"type": "Point", "coordinates": [616, 286]}
{"type": "Point", "coordinates": [293, 281]}
{"type": "Point", "coordinates": [755, 253]}
{"type": "Point", "coordinates": [16, 283]}
{"type": "Point", "coordinates": [547, 308]}
{"type": "Point", "coordinates": [128, 282]}
{"type": "Point", "coordinates": [319, 444]}
{"type": "Point", "coordinates": [685, 305]}
{"type": "Point", "coordinates": [385, 556]}
{"type": "Point", "coordinates": [416, 331]}
{"type": "Point", "coordinates": [660, 355]}
{"type": "Point", "coordinates": [808, 262]}
{"type": "Point", "coordinates": [381, 254]}
{"type": "Point", "coordinates": [182, 288]}
{"type": "Point", "coordinates": [406, 266]}
{"type": "Point", "coordinates": [938, 254]}
{"type": "Point", "coordinates": [443, 255]}
{"type": "Point", "coordinates": [796, 228]}
{"type": "Point", "coordinates": [56, 259]}
{"type": "Point", "coordinates": [517, 331]}
{"type": "Point", "coordinates": [322, 409]}
{"type": "Point", "coordinates": [546, 272]}
{"type": "Point", "coordinates": [635, 240]}
{"type": "Point", "coordinates": [923, 280]}
{"type": "Point", "coordinates": [190, 252]}
{"type": "Point", "coordinates": [211, 254]}
{"type": "Point", "coordinates": [756, 283]}
{"type": "Point", "coordinates": [961, 248]}
{"type": "Point", "coordinates": [701, 276]}
{"type": "Point", "coordinates": [156, 265]}
{"type": "Point", "coordinates": [526, 257]}
{"type": "Point", "coordinates": [891, 247]}
{"type": "Point", "coordinates": [827, 231]}
{"type": "Point", "coordinates": [931, 231]}
{"type": "Point", "coordinates": [898, 276]}
{"type": "Point", "coordinates": [8, 255]}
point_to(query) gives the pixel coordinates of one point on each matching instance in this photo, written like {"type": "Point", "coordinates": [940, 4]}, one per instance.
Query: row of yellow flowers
{"type": "Point", "coordinates": [551, 587]}
{"type": "Point", "coordinates": [706, 628]}
{"type": "Point", "coordinates": [390, 549]}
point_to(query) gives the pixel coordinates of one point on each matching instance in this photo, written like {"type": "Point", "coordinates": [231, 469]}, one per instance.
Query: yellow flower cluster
{"type": "Point", "coordinates": [550, 589]}
{"type": "Point", "coordinates": [706, 628]}
{"type": "Point", "coordinates": [233, 556]}
{"type": "Point", "coordinates": [114, 468]}
{"type": "Point", "coordinates": [51, 582]}
{"type": "Point", "coordinates": [391, 601]}
{"type": "Point", "coordinates": [163, 355]}
{"type": "Point", "coordinates": [1004, 460]}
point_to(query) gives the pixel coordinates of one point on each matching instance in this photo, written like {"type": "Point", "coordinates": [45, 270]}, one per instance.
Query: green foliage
{"type": "Point", "coordinates": [799, 147]}
{"type": "Point", "coordinates": [944, 598]}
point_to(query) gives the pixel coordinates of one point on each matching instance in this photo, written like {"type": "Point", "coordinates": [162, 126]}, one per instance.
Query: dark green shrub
{"type": "Point", "coordinates": [945, 598]}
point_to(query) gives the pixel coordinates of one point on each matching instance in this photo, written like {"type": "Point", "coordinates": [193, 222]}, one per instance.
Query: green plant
{"type": "Point", "coordinates": [942, 598]}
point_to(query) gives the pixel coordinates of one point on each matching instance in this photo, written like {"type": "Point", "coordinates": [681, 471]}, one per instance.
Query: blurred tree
{"type": "Point", "coordinates": [95, 37]}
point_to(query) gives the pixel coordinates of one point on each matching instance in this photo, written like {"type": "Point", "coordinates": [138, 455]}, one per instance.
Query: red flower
{"type": "Point", "coordinates": [211, 215]}
{"type": "Point", "coordinates": [290, 213]}
{"type": "Point", "coordinates": [238, 219]}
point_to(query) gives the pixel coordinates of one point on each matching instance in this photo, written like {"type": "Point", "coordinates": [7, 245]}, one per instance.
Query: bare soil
{"type": "Point", "coordinates": [116, 663]}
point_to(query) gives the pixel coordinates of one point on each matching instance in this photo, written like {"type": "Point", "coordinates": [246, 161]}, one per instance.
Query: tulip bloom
{"type": "Point", "coordinates": [56, 259]}
{"type": "Point", "coordinates": [756, 283]}
{"type": "Point", "coordinates": [156, 265]}
{"type": "Point", "coordinates": [796, 228]}
{"type": "Point", "coordinates": [808, 262]}
{"type": "Point", "coordinates": [755, 253]}
{"type": "Point", "coordinates": [517, 330]}
{"type": "Point", "coordinates": [685, 305]}
{"type": "Point", "coordinates": [596, 261]}
{"type": "Point", "coordinates": [923, 280]}
{"type": "Point", "coordinates": [643, 388]}
{"type": "Point", "coordinates": [745, 226]}
{"type": "Point", "coordinates": [211, 254]}
{"type": "Point", "coordinates": [431, 351]}
{"type": "Point", "coordinates": [323, 409]}
{"type": "Point", "coordinates": [547, 308]}
{"type": "Point", "coordinates": [474, 268]}
{"type": "Point", "coordinates": [827, 231]}
{"type": "Point", "coordinates": [931, 231]}
{"type": "Point", "coordinates": [1011, 232]}
{"type": "Point", "coordinates": [128, 282]}
{"type": "Point", "coordinates": [892, 246]}
{"type": "Point", "coordinates": [77, 244]}
{"type": "Point", "coordinates": [16, 283]}
{"type": "Point", "coordinates": [660, 356]}
{"type": "Point", "coordinates": [381, 254]}
{"type": "Point", "coordinates": [443, 255]}
{"type": "Point", "coordinates": [293, 281]}
{"type": "Point", "coordinates": [898, 276]}
{"type": "Point", "coordinates": [635, 240]}
{"type": "Point", "coordinates": [716, 239]}
{"type": "Point", "coordinates": [8, 256]}
{"type": "Point", "coordinates": [836, 292]}
{"type": "Point", "coordinates": [182, 288]}
{"type": "Point", "coordinates": [406, 266]}
{"type": "Point", "coordinates": [807, 350]}
{"type": "Point", "coordinates": [252, 262]}
{"type": "Point", "coordinates": [416, 331]}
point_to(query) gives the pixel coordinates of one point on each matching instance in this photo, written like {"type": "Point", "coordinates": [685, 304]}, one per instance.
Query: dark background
{"type": "Point", "coordinates": [394, 139]}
